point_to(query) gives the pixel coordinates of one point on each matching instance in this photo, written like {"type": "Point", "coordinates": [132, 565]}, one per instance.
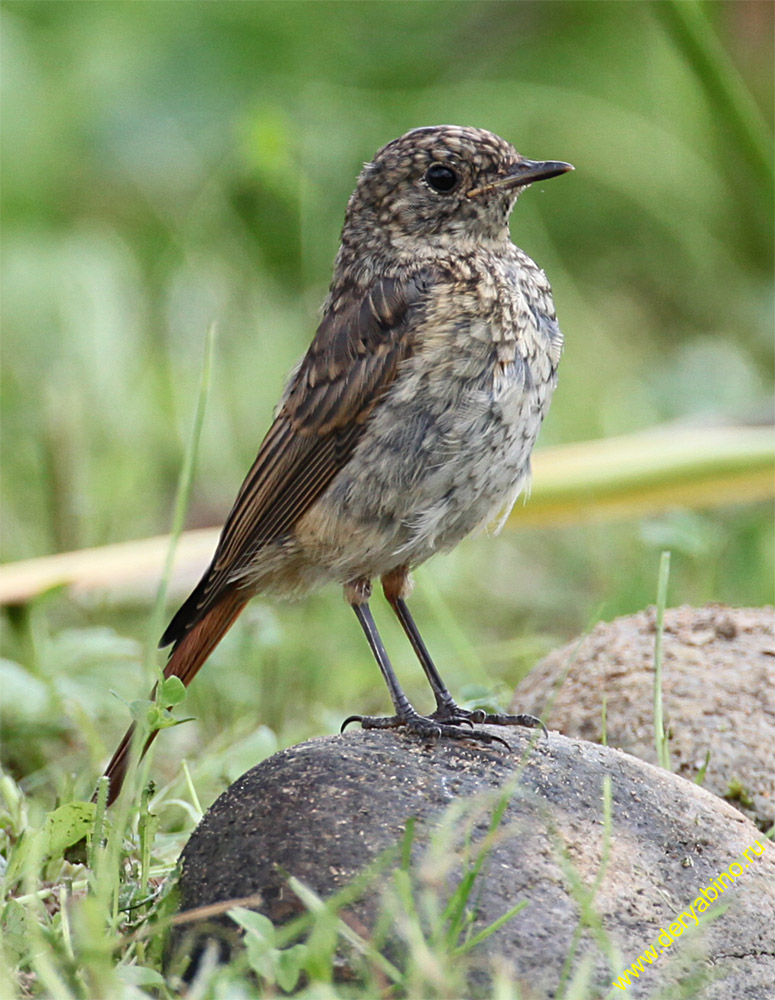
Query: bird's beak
{"type": "Point", "coordinates": [525, 172]}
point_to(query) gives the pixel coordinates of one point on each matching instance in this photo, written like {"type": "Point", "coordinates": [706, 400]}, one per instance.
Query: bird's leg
{"type": "Point", "coordinates": [430, 729]}
{"type": "Point", "coordinates": [396, 586]}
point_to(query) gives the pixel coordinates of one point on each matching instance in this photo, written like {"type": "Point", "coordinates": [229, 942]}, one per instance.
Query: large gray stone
{"type": "Point", "coordinates": [718, 694]}
{"type": "Point", "coordinates": [325, 809]}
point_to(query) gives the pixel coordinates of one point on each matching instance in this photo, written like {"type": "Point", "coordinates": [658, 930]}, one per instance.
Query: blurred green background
{"type": "Point", "coordinates": [167, 165]}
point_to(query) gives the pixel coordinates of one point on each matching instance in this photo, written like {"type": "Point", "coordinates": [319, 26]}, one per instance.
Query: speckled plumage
{"type": "Point", "coordinates": [449, 444]}
{"type": "Point", "coordinates": [411, 419]}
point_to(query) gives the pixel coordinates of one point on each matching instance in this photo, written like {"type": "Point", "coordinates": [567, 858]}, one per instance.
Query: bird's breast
{"type": "Point", "coordinates": [449, 444]}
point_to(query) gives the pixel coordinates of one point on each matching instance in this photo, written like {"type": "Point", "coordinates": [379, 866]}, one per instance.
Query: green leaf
{"type": "Point", "coordinates": [172, 721]}
{"type": "Point", "coordinates": [19, 854]}
{"type": "Point", "coordinates": [261, 957]}
{"type": "Point", "coordinates": [138, 975]}
{"type": "Point", "coordinates": [254, 923]}
{"type": "Point", "coordinates": [65, 826]}
{"type": "Point", "coordinates": [172, 691]}
{"type": "Point", "coordinates": [16, 933]}
{"type": "Point", "coordinates": [159, 718]}
{"type": "Point", "coordinates": [149, 714]}
{"type": "Point", "coordinates": [288, 966]}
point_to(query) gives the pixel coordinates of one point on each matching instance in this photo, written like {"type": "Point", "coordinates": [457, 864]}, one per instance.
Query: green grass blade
{"type": "Point", "coordinates": [490, 929]}
{"type": "Point", "coordinates": [182, 498]}
{"type": "Point", "coordinates": [660, 738]}
{"type": "Point", "coordinates": [736, 109]}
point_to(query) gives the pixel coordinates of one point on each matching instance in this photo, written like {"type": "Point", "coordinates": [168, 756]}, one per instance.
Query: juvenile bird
{"type": "Point", "coordinates": [409, 421]}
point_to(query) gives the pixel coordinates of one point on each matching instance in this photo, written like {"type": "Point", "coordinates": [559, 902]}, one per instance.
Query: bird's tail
{"type": "Point", "coordinates": [187, 657]}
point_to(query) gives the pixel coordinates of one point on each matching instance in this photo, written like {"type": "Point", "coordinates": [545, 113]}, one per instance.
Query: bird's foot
{"type": "Point", "coordinates": [453, 715]}
{"type": "Point", "coordinates": [430, 729]}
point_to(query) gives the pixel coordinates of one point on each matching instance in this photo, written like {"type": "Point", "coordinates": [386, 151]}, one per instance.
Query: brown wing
{"type": "Point", "coordinates": [352, 360]}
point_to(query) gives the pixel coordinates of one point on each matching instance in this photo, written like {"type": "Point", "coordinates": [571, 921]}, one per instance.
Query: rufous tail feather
{"type": "Point", "coordinates": [187, 657]}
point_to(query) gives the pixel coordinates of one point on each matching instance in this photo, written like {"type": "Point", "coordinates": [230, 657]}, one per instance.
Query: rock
{"type": "Point", "coordinates": [718, 695]}
{"type": "Point", "coordinates": [324, 810]}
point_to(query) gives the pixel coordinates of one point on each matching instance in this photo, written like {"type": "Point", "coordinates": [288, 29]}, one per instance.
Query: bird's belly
{"type": "Point", "coordinates": [429, 470]}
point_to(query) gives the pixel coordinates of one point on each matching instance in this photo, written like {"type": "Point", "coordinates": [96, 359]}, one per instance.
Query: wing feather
{"type": "Point", "coordinates": [352, 360]}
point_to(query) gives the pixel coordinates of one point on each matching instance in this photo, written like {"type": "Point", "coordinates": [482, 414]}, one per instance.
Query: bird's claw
{"type": "Point", "coordinates": [373, 722]}
{"type": "Point", "coordinates": [452, 715]}
{"type": "Point", "coordinates": [528, 721]}
{"type": "Point", "coordinates": [430, 729]}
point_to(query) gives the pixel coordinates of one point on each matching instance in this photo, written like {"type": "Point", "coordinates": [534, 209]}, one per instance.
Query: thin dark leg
{"type": "Point", "coordinates": [406, 716]}
{"type": "Point", "coordinates": [444, 700]}
{"type": "Point", "coordinates": [400, 701]}
{"type": "Point", "coordinates": [446, 708]}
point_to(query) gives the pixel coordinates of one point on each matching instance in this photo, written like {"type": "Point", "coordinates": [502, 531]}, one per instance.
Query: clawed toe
{"type": "Point", "coordinates": [458, 717]}
{"type": "Point", "coordinates": [453, 715]}
{"type": "Point", "coordinates": [373, 722]}
{"type": "Point", "coordinates": [473, 735]}
{"type": "Point", "coordinates": [528, 721]}
{"type": "Point", "coordinates": [418, 725]}
{"type": "Point", "coordinates": [429, 729]}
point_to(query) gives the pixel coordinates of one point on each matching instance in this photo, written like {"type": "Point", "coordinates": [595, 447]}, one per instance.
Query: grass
{"type": "Point", "coordinates": [102, 930]}
{"type": "Point", "coordinates": [661, 738]}
{"type": "Point", "coordinates": [183, 493]}
{"type": "Point", "coordinates": [95, 922]}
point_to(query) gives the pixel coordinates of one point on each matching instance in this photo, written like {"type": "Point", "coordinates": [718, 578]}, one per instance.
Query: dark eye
{"type": "Point", "coordinates": [440, 178]}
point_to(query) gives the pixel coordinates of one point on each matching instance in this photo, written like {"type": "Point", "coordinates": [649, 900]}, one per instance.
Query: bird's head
{"type": "Point", "coordinates": [444, 183]}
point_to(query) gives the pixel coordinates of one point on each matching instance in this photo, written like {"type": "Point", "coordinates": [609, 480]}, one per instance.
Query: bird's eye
{"type": "Point", "coordinates": [441, 178]}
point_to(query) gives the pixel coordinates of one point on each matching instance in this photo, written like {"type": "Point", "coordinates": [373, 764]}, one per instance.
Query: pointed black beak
{"type": "Point", "coordinates": [525, 172]}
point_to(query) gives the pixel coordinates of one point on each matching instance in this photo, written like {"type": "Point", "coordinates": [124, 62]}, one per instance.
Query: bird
{"type": "Point", "coordinates": [408, 423]}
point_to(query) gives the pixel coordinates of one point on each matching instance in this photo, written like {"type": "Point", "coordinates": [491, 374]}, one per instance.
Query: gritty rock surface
{"type": "Point", "coordinates": [324, 810]}
{"type": "Point", "coordinates": [718, 695]}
